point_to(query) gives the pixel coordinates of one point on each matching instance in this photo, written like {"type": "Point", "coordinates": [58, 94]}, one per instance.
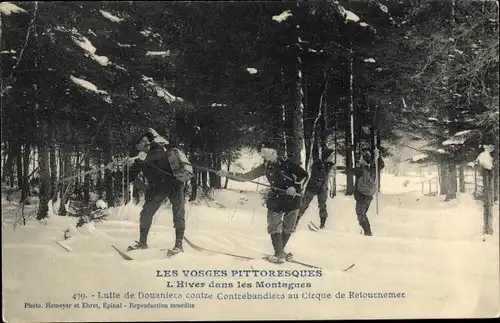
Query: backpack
{"type": "Point", "coordinates": [181, 168]}
{"type": "Point", "coordinates": [367, 183]}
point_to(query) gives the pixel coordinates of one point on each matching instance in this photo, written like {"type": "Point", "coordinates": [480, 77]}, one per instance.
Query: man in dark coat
{"type": "Point", "coordinates": [161, 185]}
{"type": "Point", "coordinates": [283, 200]}
{"type": "Point", "coordinates": [318, 186]}
{"type": "Point", "coordinates": [365, 187]}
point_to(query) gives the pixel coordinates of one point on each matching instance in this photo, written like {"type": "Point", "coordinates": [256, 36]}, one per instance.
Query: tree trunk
{"type": "Point", "coordinates": [218, 165]}
{"type": "Point", "coordinates": [443, 179]}
{"type": "Point", "coordinates": [487, 201]}
{"type": "Point", "coordinates": [204, 180]}
{"type": "Point", "coordinates": [495, 176]}
{"type": "Point", "coordinates": [108, 179]}
{"type": "Point", "coordinates": [26, 171]}
{"type": "Point", "coordinates": [211, 164]}
{"type": "Point", "coordinates": [294, 94]}
{"type": "Point", "coordinates": [350, 144]}
{"type": "Point", "coordinates": [452, 181]}
{"type": "Point", "coordinates": [60, 153]}
{"type": "Point", "coordinates": [19, 164]}
{"type": "Point", "coordinates": [100, 179]}
{"type": "Point", "coordinates": [349, 155]}
{"type": "Point", "coordinates": [53, 169]}
{"type": "Point", "coordinates": [44, 169]}
{"type": "Point", "coordinates": [65, 193]}
{"type": "Point", "coordinates": [35, 157]}
{"type": "Point", "coordinates": [86, 181]}
{"type": "Point", "coordinates": [475, 181]}
{"type": "Point", "coordinates": [461, 177]}
{"type": "Point", "coordinates": [8, 170]}
{"type": "Point", "coordinates": [78, 169]}
{"type": "Point", "coordinates": [228, 168]}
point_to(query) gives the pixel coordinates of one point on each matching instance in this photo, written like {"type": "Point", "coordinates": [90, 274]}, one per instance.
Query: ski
{"type": "Point", "coordinates": [265, 257]}
{"type": "Point", "coordinates": [122, 254]}
{"type": "Point", "coordinates": [170, 253]}
{"type": "Point", "coordinates": [293, 261]}
{"type": "Point", "coordinates": [201, 249]}
{"type": "Point", "coordinates": [314, 226]}
{"type": "Point", "coordinates": [311, 228]}
{"type": "Point", "coordinates": [64, 246]}
{"type": "Point", "coordinates": [350, 266]}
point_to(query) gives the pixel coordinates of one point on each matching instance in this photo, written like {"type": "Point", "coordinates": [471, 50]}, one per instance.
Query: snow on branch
{"type": "Point", "coordinates": [484, 159]}
{"type": "Point", "coordinates": [383, 7]}
{"type": "Point", "coordinates": [252, 70]}
{"type": "Point", "coordinates": [90, 87]}
{"type": "Point", "coordinates": [162, 54]}
{"type": "Point", "coordinates": [84, 43]}
{"type": "Point", "coordinates": [369, 60]}
{"type": "Point", "coordinates": [160, 91]}
{"type": "Point", "coordinates": [7, 8]}
{"type": "Point", "coordinates": [348, 15]}
{"type": "Point", "coordinates": [420, 157]}
{"type": "Point", "coordinates": [283, 16]}
{"type": "Point", "coordinates": [461, 137]}
{"type": "Point", "coordinates": [111, 17]}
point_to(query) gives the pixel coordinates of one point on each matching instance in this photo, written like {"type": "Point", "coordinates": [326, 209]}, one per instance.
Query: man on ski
{"type": "Point", "coordinates": [283, 200]}
{"type": "Point", "coordinates": [318, 186]}
{"type": "Point", "coordinates": [365, 187]}
{"type": "Point", "coordinates": [161, 185]}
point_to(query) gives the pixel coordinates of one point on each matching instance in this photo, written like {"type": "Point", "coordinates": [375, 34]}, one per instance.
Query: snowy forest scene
{"type": "Point", "coordinates": [167, 161]}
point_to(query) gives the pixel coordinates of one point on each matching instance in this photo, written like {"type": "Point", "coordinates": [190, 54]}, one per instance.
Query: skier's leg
{"type": "Point", "coordinates": [177, 200]}
{"type": "Point", "coordinates": [275, 229]}
{"type": "Point", "coordinates": [152, 204]}
{"type": "Point", "coordinates": [289, 223]}
{"type": "Point", "coordinates": [361, 202]}
{"type": "Point", "coordinates": [368, 230]}
{"type": "Point", "coordinates": [323, 212]}
{"type": "Point", "coordinates": [306, 200]}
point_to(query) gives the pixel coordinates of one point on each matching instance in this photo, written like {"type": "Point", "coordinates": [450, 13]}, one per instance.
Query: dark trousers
{"type": "Point", "coordinates": [322, 199]}
{"type": "Point", "coordinates": [154, 199]}
{"type": "Point", "coordinates": [362, 205]}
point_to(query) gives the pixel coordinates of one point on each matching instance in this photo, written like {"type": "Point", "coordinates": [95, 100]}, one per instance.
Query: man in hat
{"type": "Point", "coordinates": [318, 186]}
{"type": "Point", "coordinates": [283, 199]}
{"type": "Point", "coordinates": [161, 185]}
{"type": "Point", "coordinates": [365, 187]}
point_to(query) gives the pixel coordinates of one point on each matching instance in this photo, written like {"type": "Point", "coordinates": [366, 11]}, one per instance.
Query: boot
{"type": "Point", "coordinates": [138, 245]}
{"type": "Point", "coordinates": [366, 228]}
{"type": "Point", "coordinates": [279, 255]}
{"type": "Point", "coordinates": [179, 236]}
{"type": "Point", "coordinates": [143, 236]}
{"type": "Point", "coordinates": [286, 237]}
{"type": "Point", "coordinates": [142, 243]}
{"type": "Point", "coordinates": [322, 222]}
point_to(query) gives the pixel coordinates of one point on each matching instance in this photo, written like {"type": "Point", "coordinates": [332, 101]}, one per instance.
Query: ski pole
{"type": "Point", "coordinates": [240, 178]}
{"type": "Point", "coordinates": [141, 156]}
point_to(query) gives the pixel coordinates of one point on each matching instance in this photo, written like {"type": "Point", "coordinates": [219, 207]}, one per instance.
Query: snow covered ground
{"type": "Point", "coordinates": [431, 251]}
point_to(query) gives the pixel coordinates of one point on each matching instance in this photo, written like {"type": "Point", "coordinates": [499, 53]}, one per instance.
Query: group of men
{"type": "Point", "coordinates": [286, 200]}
